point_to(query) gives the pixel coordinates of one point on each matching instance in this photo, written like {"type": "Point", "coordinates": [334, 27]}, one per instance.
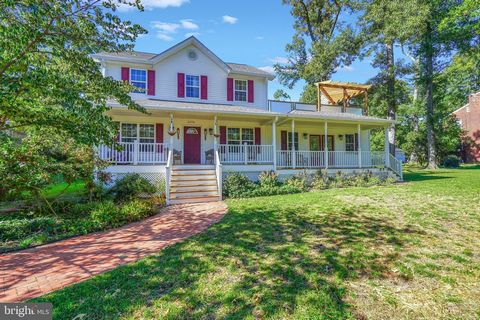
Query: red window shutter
{"type": "Point", "coordinates": [204, 87]}
{"type": "Point", "coordinates": [223, 135]}
{"type": "Point", "coordinates": [283, 140]}
{"type": "Point", "coordinates": [258, 137]}
{"type": "Point", "coordinates": [125, 74]}
{"type": "Point", "coordinates": [181, 85]}
{"type": "Point", "coordinates": [159, 133]}
{"type": "Point", "coordinates": [151, 82]}
{"type": "Point", "coordinates": [159, 136]}
{"type": "Point", "coordinates": [251, 92]}
{"type": "Point", "coordinates": [229, 89]}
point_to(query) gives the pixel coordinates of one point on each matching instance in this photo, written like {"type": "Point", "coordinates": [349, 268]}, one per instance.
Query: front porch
{"type": "Point", "coordinates": [243, 145]}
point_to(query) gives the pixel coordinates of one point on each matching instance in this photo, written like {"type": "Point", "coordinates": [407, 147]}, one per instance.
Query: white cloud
{"type": "Point", "coordinates": [192, 34]}
{"type": "Point", "coordinates": [345, 69]}
{"type": "Point", "coordinates": [165, 27]}
{"type": "Point", "coordinates": [229, 19]}
{"type": "Point", "coordinates": [189, 24]}
{"type": "Point", "coordinates": [166, 30]}
{"type": "Point", "coordinates": [154, 4]}
{"type": "Point", "coordinates": [268, 69]}
{"type": "Point", "coordinates": [281, 60]}
{"type": "Point", "coordinates": [259, 38]}
{"type": "Point", "coordinates": [163, 36]}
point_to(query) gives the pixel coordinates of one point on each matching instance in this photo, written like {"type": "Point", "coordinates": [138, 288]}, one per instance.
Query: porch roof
{"type": "Point", "coordinates": [235, 110]}
{"type": "Point", "coordinates": [171, 105]}
{"type": "Point", "coordinates": [338, 116]}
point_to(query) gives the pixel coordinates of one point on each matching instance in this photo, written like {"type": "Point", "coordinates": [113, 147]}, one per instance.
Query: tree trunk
{"type": "Point", "coordinates": [391, 113]}
{"type": "Point", "coordinates": [431, 152]}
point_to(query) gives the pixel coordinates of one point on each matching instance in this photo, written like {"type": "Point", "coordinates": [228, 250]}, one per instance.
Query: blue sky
{"type": "Point", "coordinates": [247, 31]}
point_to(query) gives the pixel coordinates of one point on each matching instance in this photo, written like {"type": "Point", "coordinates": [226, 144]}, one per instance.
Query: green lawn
{"type": "Point", "coordinates": [406, 251]}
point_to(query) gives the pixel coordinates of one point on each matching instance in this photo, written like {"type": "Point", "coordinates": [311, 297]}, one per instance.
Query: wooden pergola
{"type": "Point", "coordinates": [337, 92]}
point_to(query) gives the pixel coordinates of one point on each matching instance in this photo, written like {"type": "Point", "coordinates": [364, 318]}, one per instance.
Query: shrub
{"type": "Point", "coordinates": [236, 185]}
{"type": "Point", "coordinates": [268, 179]}
{"type": "Point", "coordinates": [320, 181]}
{"type": "Point", "coordinates": [132, 186]}
{"type": "Point", "coordinates": [297, 182]}
{"type": "Point", "coordinates": [451, 161]}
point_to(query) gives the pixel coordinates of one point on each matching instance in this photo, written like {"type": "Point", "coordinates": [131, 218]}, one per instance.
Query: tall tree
{"type": "Point", "coordinates": [47, 77]}
{"type": "Point", "coordinates": [450, 26]}
{"type": "Point", "coordinates": [322, 41]}
{"type": "Point", "coordinates": [385, 24]}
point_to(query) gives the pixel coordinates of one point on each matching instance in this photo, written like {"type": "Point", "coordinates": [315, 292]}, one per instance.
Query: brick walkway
{"type": "Point", "coordinates": [37, 271]}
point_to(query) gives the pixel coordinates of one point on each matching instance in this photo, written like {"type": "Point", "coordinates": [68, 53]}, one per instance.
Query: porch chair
{"type": "Point", "coordinates": [209, 156]}
{"type": "Point", "coordinates": [177, 156]}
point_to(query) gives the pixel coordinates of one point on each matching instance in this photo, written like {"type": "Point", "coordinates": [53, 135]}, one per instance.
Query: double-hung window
{"type": "Point", "coordinates": [192, 86]}
{"type": "Point", "coordinates": [145, 133]}
{"type": "Point", "coordinates": [240, 90]}
{"type": "Point", "coordinates": [138, 79]}
{"type": "Point", "coordinates": [240, 136]}
{"type": "Point", "coordinates": [289, 139]}
{"type": "Point", "coordinates": [351, 142]}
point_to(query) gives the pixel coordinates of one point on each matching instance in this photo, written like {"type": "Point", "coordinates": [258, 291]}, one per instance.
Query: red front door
{"type": "Point", "coordinates": [191, 144]}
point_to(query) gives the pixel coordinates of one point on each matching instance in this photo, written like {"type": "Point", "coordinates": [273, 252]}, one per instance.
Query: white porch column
{"type": "Point", "coordinates": [274, 143]}
{"type": "Point", "coordinates": [215, 142]}
{"type": "Point", "coordinates": [387, 149]}
{"type": "Point", "coordinates": [294, 157]}
{"type": "Point", "coordinates": [171, 129]}
{"type": "Point", "coordinates": [359, 144]}
{"type": "Point", "coordinates": [325, 144]}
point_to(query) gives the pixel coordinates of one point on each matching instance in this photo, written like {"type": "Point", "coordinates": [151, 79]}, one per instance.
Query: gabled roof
{"type": "Point", "coordinates": [152, 58]}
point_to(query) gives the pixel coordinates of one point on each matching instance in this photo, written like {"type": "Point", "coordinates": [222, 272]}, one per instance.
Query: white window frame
{"type": "Point", "coordinates": [352, 144]}
{"type": "Point", "coordinates": [289, 140]}
{"type": "Point", "coordinates": [241, 141]}
{"type": "Point", "coordinates": [235, 90]}
{"type": "Point", "coordinates": [131, 81]}
{"type": "Point", "coordinates": [199, 86]}
{"type": "Point", "coordinates": [138, 132]}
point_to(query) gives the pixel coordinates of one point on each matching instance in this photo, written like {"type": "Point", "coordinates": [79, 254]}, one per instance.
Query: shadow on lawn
{"type": "Point", "coordinates": [262, 260]}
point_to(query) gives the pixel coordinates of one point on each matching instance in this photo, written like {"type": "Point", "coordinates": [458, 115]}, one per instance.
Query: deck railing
{"type": "Point", "coordinates": [245, 154]}
{"type": "Point", "coordinates": [335, 159]}
{"type": "Point", "coordinates": [134, 153]}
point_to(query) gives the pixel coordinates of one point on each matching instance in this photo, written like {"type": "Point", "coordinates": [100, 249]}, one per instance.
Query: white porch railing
{"type": "Point", "coordinates": [134, 153]}
{"type": "Point", "coordinates": [396, 166]}
{"type": "Point", "coordinates": [245, 154]}
{"type": "Point", "coordinates": [219, 174]}
{"type": "Point", "coordinates": [336, 159]}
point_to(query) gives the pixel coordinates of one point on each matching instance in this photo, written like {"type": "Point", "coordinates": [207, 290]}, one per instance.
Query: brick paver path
{"type": "Point", "coordinates": [37, 271]}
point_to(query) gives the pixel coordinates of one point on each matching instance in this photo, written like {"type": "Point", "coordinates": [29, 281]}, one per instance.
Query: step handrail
{"type": "Point", "coordinates": [168, 175]}
{"type": "Point", "coordinates": [218, 172]}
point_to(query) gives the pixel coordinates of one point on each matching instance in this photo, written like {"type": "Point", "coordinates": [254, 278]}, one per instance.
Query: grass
{"type": "Point", "coordinates": [406, 251]}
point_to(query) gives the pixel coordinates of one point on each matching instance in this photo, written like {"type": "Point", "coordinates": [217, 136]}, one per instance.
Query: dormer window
{"type": "Point", "coordinates": [138, 79]}
{"type": "Point", "coordinates": [240, 90]}
{"type": "Point", "coordinates": [192, 86]}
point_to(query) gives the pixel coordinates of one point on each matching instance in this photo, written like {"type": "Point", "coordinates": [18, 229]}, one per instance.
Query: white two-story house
{"type": "Point", "coordinates": [207, 117]}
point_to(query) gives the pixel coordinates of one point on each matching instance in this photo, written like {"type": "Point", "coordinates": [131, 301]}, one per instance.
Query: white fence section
{"type": "Point", "coordinates": [245, 154]}
{"type": "Point", "coordinates": [134, 153]}
{"type": "Point", "coordinates": [335, 159]}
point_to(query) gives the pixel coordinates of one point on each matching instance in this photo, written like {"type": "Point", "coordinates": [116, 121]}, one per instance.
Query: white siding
{"type": "Point", "coordinates": [166, 78]}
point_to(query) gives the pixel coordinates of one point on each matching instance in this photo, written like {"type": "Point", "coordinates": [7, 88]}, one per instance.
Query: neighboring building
{"type": "Point", "coordinates": [469, 119]}
{"type": "Point", "coordinates": [207, 117]}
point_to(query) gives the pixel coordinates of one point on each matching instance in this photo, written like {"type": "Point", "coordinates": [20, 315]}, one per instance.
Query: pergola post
{"type": "Point", "coordinates": [294, 157]}
{"type": "Point", "coordinates": [319, 98]}
{"type": "Point", "coordinates": [325, 144]}
{"type": "Point", "coordinates": [359, 144]}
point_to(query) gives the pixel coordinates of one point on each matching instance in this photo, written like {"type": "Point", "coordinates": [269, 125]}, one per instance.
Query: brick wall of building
{"type": "Point", "coordinates": [469, 117]}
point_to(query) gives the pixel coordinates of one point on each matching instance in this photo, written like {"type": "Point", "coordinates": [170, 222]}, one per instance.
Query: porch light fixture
{"type": "Point", "coordinates": [178, 133]}
{"type": "Point", "coordinates": [305, 136]}
{"type": "Point", "coordinates": [205, 134]}
{"type": "Point", "coordinates": [171, 128]}
{"type": "Point", "coordinates": [340, 137]}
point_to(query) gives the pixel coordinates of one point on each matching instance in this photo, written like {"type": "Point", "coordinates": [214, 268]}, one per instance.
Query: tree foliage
{"type": "Point", "coordinates": [322, 41]}
{"type": "Point", "coordinates": [53, 96]}
{"type": "Point", "coordinates": [47, 75]}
